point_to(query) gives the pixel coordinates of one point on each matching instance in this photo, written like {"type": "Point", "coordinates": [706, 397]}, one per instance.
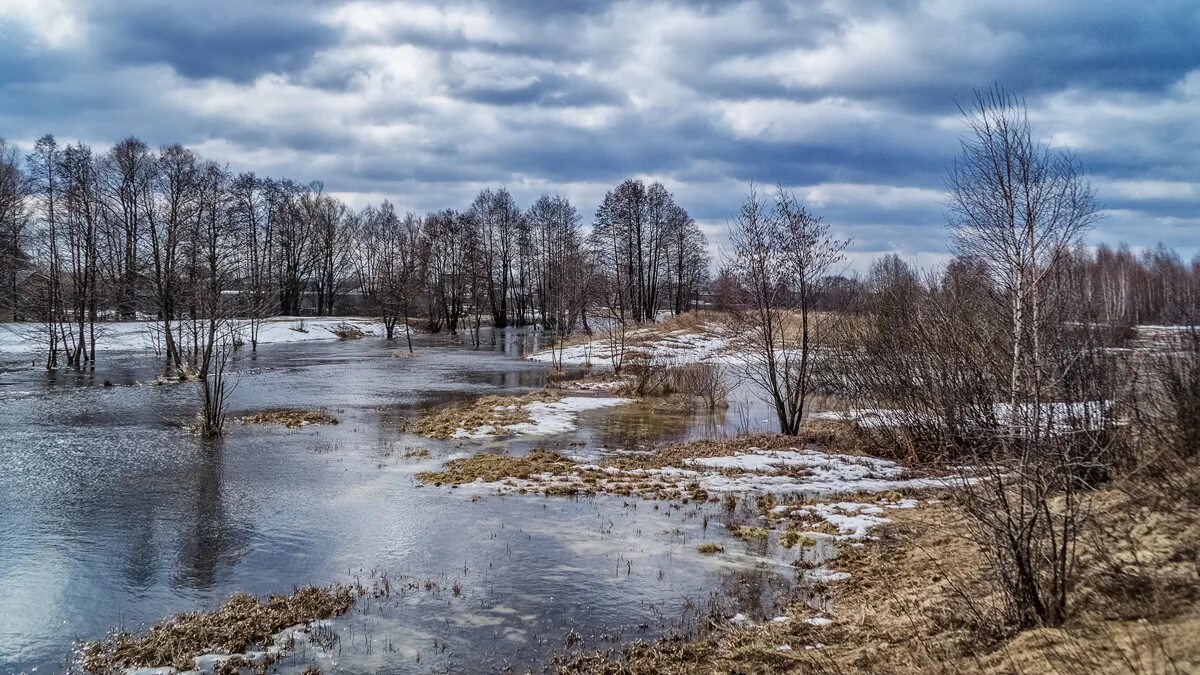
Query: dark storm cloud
{"type": "Point", "coordinates": [235, 40]}
{"type": "Point", "coordinates": [850, 103]}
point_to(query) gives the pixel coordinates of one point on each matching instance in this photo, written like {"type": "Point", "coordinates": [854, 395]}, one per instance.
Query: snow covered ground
{"type": "Point", "coordinates": [1057, 415]}
{"type": "Point", "coordinates": [28, 338]}
{"type": "Point", "coordinates": [546, 418]}
{"type": "Point", "coordinates": [709, 344]}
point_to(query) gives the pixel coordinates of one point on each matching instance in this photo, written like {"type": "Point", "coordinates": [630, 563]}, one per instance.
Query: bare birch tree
{"type": "Point", "coordinates": [1019, 207]}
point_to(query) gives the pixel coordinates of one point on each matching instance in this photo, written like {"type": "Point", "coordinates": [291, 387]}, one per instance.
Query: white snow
{"type": "Point", "coordinates": [818, 621]}
{"type": "Point", "coordinates": [709, 345]}
{"type": "Point", "coordinates": [1053, 415]}
{"type": "Point", "coordinates": [740, 619]}
{"type": "Point", "coordinates": [28, 338]}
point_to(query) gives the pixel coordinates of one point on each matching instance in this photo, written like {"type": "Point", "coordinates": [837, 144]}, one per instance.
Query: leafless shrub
{"type": "Point", "coordinates": [1172, 413]}
{"type": "Point", "coordinates": [348, 331]}
{"type": "Point", "coordinates": [781, 254]}
{"type": "Point", "coordinates": [648, 376]}
{"type": "Point", "coordinates": [705, 381]}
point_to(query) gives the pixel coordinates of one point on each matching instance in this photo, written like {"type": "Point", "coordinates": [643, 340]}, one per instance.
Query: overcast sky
{"type": "Point", "coordinates": [851, 103]}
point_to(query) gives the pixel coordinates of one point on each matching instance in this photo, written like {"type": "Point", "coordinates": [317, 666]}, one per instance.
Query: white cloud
{"type": "Point", "coordinates": [54, 23]}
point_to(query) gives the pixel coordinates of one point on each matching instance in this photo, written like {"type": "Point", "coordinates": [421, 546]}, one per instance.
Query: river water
{"type": "Point", "coordinates": [113, 515]}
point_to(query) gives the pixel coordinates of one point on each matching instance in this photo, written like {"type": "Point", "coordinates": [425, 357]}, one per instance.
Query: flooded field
{"type": "Point", "coordinates": [112, 515]}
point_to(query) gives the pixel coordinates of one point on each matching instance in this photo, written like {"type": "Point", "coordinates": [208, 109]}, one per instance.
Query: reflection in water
{"type": "Point", "coordinates": [112, 515]}
{"type": "Point", "coordinates": [212, 541]}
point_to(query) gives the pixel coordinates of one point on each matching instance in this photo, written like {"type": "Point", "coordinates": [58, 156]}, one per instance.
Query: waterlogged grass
{"type": "Point", "coordinates": [491, 468]}
{"type": "Point", "coordinates": [488, 411]}
{"type": "Point", "coordinates": [749, 532]}
{"type": "Point", "coordinates": [793, 538]}
{"type": "Point", "coordinates": [242, 624]}
{"type": "Point", "coordinates": [626, 474]}
{"type": "Point", "coordinates": [292, 419]}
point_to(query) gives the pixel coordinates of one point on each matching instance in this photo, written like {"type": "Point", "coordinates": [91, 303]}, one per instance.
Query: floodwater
{"type": "Point", "coordinates": [112, 515]}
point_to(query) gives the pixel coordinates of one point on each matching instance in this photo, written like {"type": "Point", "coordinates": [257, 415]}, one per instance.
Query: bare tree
{"type": "Point", "coordinates": [780, 252]}
{"type": "Point", "coordinates": [251, 211]}
{"type": "Point", "coordinates": [128, 171]}
{"type": "Point", "coordinates": [14, 223]}
{"type": "Point", "coordinates": [1019, 207]}
{"type": "Point", "coordinates": [43, 164]}
{"type": "Point", "coordinates": [172, 203]}
{"type": "Point", "coordinates": [82, 213]}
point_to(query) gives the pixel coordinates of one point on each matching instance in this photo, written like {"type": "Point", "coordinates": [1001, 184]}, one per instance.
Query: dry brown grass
{"type": "Point", "coordinates": [496, 411]}
{"type": "Point", "coordinates": [710, 548]}
{"type": "Point", "coordinates": [490, 468]}
{"type": "Point", "coordinates": [348, 331]}
{"type": "Point", "coordinates": [920, 601]}
{"type": "Point", "coordinates": [830, 436]}
{"type": "Point", "coordinates": [291, 419]}
{"type": "Point", "coordinates": [241, 624]}
{"type": "Point", "coordinates": [628, 474]}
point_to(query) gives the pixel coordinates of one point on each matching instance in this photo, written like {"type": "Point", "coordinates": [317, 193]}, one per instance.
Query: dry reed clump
{"type": "Point", "coordinates": [494, 411]}
{"type": "Point", "coordinates": [710, 548]}
{"type": "Point", "coordinates": [241, 624]}
{"type": "Point", "coordinates": [348, 331]}
{"type": "Point", "coordinates": [291, 419]}
{"type": "Point", "coordinates": [491, 468]}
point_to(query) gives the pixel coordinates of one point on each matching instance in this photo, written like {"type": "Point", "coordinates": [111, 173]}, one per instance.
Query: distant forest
{"type": "Point", "coordinates": [139, 233]}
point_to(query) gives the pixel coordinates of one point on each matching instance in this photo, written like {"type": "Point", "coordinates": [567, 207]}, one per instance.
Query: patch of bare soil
{"type": "Point", "coordinates": [243, 623]}
{"type": "Point", "coordinates": [493, 411]}
{"type": "Point", "coordinates": [291, 419]}
{"type": "Point", "coordinates": [919, 601]}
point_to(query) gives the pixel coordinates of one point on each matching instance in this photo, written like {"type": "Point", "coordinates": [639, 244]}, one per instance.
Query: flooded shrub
{"type": "Point", "coordinates": [648, 376]}
{"type": "Point", "coordinates": [705, 381]}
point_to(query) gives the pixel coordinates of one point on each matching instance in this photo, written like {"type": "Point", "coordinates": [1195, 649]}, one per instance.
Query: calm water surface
{"type": "Point", "coordinates": [111, 515]}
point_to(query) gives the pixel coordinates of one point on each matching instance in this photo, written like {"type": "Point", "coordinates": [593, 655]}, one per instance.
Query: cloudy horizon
{"type": "Point", "coordinates": [852, 105]}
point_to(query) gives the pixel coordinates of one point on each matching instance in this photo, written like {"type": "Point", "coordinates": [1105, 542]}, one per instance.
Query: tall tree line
{"type": "Point", "coordinates": [127, 233]}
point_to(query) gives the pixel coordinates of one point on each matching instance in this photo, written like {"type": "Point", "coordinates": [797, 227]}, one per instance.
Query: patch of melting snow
{"type": "Point", "coordinates": [740, 619]}
{"type": "Point", "coordinates": [546, 418]}
{"type": "Point", "coordinates": [708, 345]}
